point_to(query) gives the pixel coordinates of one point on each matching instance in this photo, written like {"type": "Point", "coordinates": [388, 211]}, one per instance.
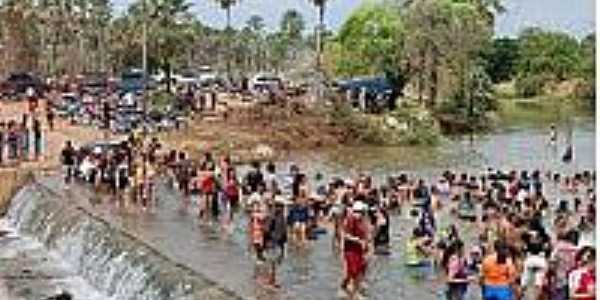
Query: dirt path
{"type": "Point", "coordinates": [244, 130]}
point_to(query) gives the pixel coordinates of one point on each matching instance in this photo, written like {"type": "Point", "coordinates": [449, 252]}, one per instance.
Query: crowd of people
{"type": "Point", "coordinates": [23, 139]}
{"type": "Point", "coordinates": [529, 241]}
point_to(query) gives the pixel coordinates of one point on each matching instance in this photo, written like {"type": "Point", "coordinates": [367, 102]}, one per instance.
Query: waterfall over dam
{"type": "Point", "coordinates": [111, 260]}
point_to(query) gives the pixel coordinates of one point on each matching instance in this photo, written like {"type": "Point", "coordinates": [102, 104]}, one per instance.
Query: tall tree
{"type": "Point", "coordinates": [167, 21]}
{"type": "Point", "coordinates": [226, 5]}
{"type": "Point", "coordinates": [291, 27]}
{"type": "Point", "coordinates": [256, 27]}
{"type": "Point", "coordinates": [500, 59]}
{"type": "Point", "coordinates": [321, 5]}
{"type": "Point", "coordinates": [443, 36]}
{"type": "Point", "coordinates": [546, 57]}
{"type": "Point", "coordinates": [369, 40]}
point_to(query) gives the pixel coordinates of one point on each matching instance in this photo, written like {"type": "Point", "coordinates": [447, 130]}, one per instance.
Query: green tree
{"type": "Point", "coordinates": [291, 27]}
{"type": "Point", "coordinates": [168, 22]}
{"type": "Point", "coordinates": [587, 86]}
{"type": "Point", "coordinates": [546, 57]}
{"type": "Point", "coordinates": [256, 26]}
{"type": "Point", "coordinates": [226, 5]}
{"type": "Point", "coordinates": [500, 59]}
{"type": "Point", "coordinates": [443, 37]}
{"type": "Point", "coordinates": [368, 40]}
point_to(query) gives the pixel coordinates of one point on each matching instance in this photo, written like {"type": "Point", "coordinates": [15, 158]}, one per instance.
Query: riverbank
{"type": "Point", "coordinates": [260, 132]}
{"type": "Point", "coordinates": [248, 131]}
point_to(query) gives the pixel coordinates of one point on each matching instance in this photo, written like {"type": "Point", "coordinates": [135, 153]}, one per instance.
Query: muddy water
{"type": "Point", "coordinates": [508, 148]}
{"type": "Point", "coordinates": [314, 272]}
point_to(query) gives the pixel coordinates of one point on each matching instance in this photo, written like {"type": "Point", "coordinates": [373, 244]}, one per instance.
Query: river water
{"type": "Point", "coordinates": [315, 272]}
{"type": "Point", "coordinates": [524, 147]}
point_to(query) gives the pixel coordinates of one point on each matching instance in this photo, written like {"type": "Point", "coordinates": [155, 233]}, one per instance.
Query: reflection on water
{"type": "Point", "coordinates": [526, 148]}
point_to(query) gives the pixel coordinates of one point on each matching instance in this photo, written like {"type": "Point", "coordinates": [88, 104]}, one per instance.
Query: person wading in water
{"type": "Point", "coordinates": [354, 249]}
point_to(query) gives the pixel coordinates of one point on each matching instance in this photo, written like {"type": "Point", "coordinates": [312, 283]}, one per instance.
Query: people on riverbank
{"type": "Point", "coordinates": [21, 141]}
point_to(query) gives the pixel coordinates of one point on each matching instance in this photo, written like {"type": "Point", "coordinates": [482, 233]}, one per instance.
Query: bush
{"type": "Point", "coordinates": [420, 129]}
{"type": "Point", "coordinates": [531, 85]}
{"type": "Point", "coordinates": [471, 110]}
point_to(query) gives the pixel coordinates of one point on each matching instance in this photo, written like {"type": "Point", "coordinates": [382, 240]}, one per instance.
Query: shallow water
{"type": "Point", "coordinates": [315, 272]}
{"type": "Point", "coordinates": [506, 149]}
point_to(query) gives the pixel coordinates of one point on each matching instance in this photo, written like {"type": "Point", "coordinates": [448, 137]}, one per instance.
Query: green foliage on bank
{"type": "Point", "coordinates": [408, 125]}
{"type": "Point", "coordinates": [540, 62]}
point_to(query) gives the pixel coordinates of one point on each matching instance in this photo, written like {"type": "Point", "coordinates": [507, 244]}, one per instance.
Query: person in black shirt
{"type": "Point", "coordinates": [12, 140]}
{"type": "Point", "coordinates": [253, 179]}
{"type": "Point", "coordinates": [50, 116]}
{"type": "Point", "coordinates": [68, 160]}
{"type": "Point", "coordinates": [37, 138]}
{"type": "Point", "coordinates": [275, 238]}
{"type": "Point", "coordinates": [382, 231]}
{"type": "Point", "coordinates": [2, 142]}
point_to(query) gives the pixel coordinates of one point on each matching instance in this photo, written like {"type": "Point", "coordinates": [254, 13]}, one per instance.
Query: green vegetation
{"type": "Point", "coordinates": [544, 63]}
{"type": "Point", "coordinates": [442, 54]}
{"type": "Point", "coordinates": [365, 41]}
{"type": "Point", "coordinates": [500, 59]}
{"type": "Point", "coordinates": [411, 125]}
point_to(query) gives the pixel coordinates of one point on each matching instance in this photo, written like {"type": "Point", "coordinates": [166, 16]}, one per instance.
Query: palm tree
{"type": "Point", "coordinates": [292, 25]}
{"type": "Point", "coordinates": [320, 4]}
{"type": "Point", "coordinates": [227, 5]}
{"type": "Point", "coordinates": [256, 25]}
{"type": "Point", "coordinates": [168, 29]}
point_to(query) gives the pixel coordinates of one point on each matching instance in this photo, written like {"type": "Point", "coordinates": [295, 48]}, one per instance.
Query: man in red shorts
{"type": "Point", "coordinates": [354, 246]}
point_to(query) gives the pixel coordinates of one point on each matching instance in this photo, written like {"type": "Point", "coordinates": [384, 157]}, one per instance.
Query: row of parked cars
{"type": "Point", "coordinates": [17, 84]}
{"type": "Point", "coordinates": [123, 111]}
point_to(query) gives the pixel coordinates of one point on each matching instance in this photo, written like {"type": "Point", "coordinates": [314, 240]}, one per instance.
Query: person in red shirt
{"type": "Point", "coordinates": [586, 287]}
{"type": "Point", "coordinates": [354, 249]}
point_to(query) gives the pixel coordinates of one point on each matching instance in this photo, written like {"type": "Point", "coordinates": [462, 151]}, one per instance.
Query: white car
{"type": "Point", "coordinates": [188, 77]}
{"type": "Point", "coordinates": [265, 82]}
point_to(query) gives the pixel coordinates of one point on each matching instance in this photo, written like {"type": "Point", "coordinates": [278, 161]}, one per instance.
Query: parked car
{"type": "Point", "coordinates": [188, 77]}
{"type": "Point", "coordinates": [19, 83]}
{"type": "Point", "coordinates": [265, 82]}
{"type": "Point", "coordinates": [94, 83]}
{"type": "Point", "coordinates": [68, 106]}
{"type": "Point", "coordinates": [132, 82]}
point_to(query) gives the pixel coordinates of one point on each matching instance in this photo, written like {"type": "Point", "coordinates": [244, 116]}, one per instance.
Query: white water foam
{"type": "Point", "coordinates": [13, 246]}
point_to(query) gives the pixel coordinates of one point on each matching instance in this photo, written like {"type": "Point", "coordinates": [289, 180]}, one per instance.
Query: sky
{"type": "Point", "coordinates": [574, 16]}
